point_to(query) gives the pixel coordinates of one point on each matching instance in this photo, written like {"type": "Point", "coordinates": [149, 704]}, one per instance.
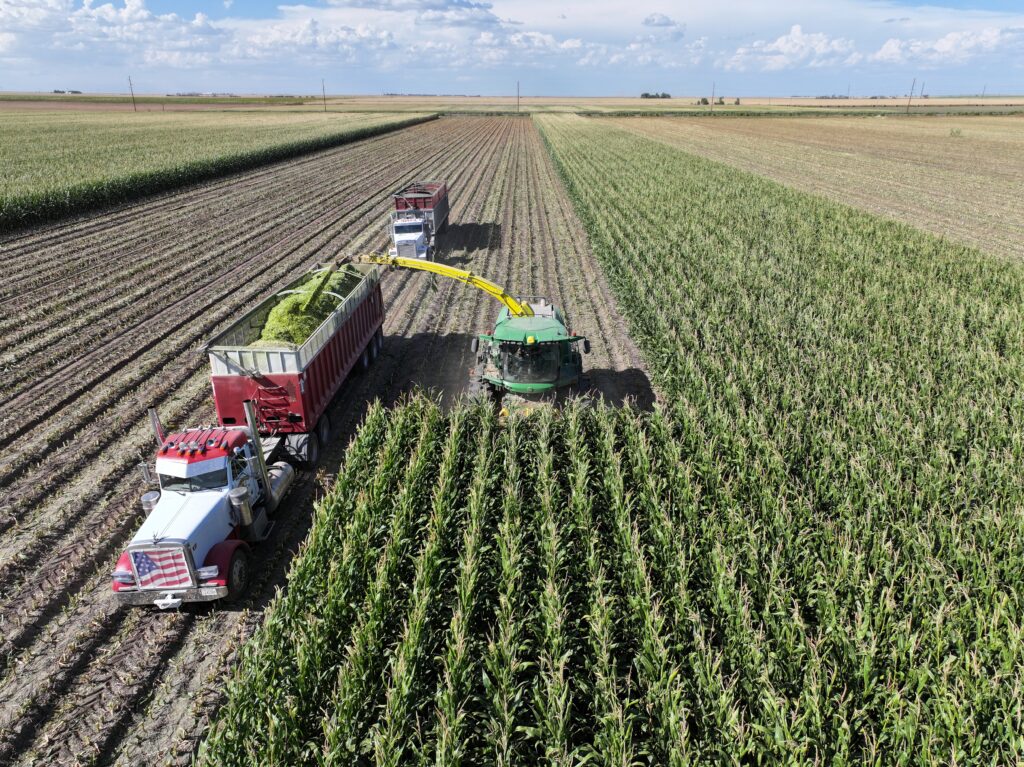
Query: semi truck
{"type": "Point", "coordinates": [214, 489]}
{"type": "Point", "coordinates": [420, 213]}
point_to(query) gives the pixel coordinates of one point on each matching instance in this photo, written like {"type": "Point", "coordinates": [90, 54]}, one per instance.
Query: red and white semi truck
{"type": "Point", "coordinates": [420, 213]}
{"type": "Point", "coordinates": [219, 485]}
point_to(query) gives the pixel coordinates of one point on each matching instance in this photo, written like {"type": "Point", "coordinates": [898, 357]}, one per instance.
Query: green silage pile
{"type": "Point", "coordinates": [297, 315]}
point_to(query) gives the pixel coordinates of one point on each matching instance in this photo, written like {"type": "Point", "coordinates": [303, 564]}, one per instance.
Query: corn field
{"type": "Point", "coordinates": [810, 553]}
{"type": "Point", "coordinates": [849, 391]}
{"type": "Point", "coordinates": [55, 164]}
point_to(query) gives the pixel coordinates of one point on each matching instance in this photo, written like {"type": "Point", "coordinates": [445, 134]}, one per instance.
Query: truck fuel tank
{"type": "Point", "coordinates": [282, 475]}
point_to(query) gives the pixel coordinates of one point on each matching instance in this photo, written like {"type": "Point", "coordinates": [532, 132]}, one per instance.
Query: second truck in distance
{"type": "Point", "coordinates": [420, 213]}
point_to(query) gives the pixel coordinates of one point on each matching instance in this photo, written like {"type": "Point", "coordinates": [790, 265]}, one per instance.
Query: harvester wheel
{"type": "Point", "coordinates": [238, 574]}
{"type": "Point", "coordinates": [323, 429]}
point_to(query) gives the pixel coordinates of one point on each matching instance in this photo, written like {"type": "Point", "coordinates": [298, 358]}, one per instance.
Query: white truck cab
{"type": "Point", "coordinates": [411, 236]}
{"type": "Point", "coordinates": [216, 494]}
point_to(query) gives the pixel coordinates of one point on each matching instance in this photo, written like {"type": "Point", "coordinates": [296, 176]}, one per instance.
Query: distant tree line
{"type": "Point", "coordinates": [646, 95]}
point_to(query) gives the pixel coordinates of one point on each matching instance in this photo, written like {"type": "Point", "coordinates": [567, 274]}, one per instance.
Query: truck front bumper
{"type": "Point", "coordinates": [171, 598]}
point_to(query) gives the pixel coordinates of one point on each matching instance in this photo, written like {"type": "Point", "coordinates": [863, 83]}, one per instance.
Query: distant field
{"type": "Point", "coordinates": [56, 162]}
{"type": "Point", "coordinates": [685, 104]}
{"type": "Point", "coordinates": [961, 177]}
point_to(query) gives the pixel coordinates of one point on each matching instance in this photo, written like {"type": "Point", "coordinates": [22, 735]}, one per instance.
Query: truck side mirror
{"type": "Point", "coordinates": [586, 346]}
{"type": "Point", "coordinates": [474, 345]}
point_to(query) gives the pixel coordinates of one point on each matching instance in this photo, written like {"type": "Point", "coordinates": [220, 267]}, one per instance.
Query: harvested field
{"type": "Point", "coordinates": [60, 162]}
{"type": "Point", "coordinates": [958, 177]}
{"type": "Point", "coordinates": [107, 314]}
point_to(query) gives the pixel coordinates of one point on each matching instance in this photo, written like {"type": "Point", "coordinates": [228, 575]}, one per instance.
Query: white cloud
{"type": "Point", "coordinates": [658, 20]}
{"type": "Point", "coordinates": [376, 40]}
{"type": "Point", "coordinates": [796, 48]}
{"type": "Point", "coordinates": [952, 48]}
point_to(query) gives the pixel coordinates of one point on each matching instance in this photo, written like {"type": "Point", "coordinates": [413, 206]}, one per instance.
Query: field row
{"type": "Point", "coordinates": [53, 164]}
{"type": "Point", "coordinates": [959, 178]}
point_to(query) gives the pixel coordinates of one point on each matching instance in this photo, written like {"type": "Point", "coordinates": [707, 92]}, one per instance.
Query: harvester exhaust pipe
{"type": "Point", "coordinates": [254, 435]}
{"type": "Point", "coordinates": [158, 428]}
{"type": "Point", "coordinates": [239, 497]}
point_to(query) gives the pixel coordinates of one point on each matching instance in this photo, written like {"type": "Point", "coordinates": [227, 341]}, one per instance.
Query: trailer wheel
{"type": "Point", "coordinates": [323, 429]}
{"type": "Point", "coordinates": [238, 574]}
{"type": "Point", "coordinates": [374, 348]}
{"type": "Point", "coordinates": [364, 359]}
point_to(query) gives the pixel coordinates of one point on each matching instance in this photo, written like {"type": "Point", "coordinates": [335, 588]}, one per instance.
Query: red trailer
{"type": "Point", "coordinates": [426, 196]}
{"type": "Point", "coordinates": [292, 386]}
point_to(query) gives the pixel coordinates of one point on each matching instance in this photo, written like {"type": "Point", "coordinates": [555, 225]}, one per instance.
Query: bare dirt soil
{"type": "Point", "coordinates": [104, 315]}
{"type": "Point", "coordinates": [959, 177]}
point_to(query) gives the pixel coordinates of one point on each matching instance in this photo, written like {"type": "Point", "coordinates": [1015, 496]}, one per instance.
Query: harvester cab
{"type": "Point", "coordinates": [530, 354]}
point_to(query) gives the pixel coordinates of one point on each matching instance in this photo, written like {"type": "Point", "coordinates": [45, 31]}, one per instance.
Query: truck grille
{"type": "Point", "coordinates": [161, 569]}
{"type": "Point", "coordinates": [407, 249]}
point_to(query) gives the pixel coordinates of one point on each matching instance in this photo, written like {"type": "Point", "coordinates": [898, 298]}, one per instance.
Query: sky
{"type": "Point", "coordinates": [553, 47]}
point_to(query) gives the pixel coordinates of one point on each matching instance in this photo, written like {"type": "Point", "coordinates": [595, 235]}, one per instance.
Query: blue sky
{"type": "Point", "coordinates": [570, 47]}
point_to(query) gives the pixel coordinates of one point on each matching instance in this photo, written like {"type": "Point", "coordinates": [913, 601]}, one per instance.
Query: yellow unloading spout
{"type": "Point", "coordinates": [515, 307]}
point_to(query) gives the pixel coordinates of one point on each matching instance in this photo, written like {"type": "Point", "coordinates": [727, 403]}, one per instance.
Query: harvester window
{"type": "Point", "coordinates": [529, 364]}
{"type": "Point", "coordinates": [211, 480]}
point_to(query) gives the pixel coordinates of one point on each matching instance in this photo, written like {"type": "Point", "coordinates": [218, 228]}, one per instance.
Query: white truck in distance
{"type": "Point", "coordinates": [420, 213]}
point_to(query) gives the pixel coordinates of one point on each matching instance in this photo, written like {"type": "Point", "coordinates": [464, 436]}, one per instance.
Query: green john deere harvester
{"type": "Point", "coordinates": [530, 356]}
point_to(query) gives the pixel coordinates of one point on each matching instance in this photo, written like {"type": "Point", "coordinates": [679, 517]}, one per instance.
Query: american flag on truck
{"type": "Point", "coordinates": [161, 569]}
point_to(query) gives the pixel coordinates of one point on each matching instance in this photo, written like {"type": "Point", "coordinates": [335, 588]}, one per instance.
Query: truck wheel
{"type": "Point", "coordinates": [312, 452]}
{"type": "Point", "coordinates": [238, 574]}
{"type": "Point", "coordinates": [364, 359]}
{"type": "Point", "coordinates": [374, 348]}
{"type": "Point", "coordinates": [323, 429]}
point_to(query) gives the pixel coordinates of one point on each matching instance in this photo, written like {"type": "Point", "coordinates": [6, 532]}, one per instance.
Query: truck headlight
{"type": "Point", "coordinates": [208, 572]}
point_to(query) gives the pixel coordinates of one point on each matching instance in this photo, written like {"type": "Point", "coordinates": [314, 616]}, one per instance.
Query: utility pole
{"type": "Point", "coordinates": [713, 96]}
{"type": "Point", "coordinates": [983, 90]}
{"type": "Point", "coordinates": [517, 97]}
{"type": "Point", "coordinates": [323, 90]}
{"type": "Point", "coordinates": [920, 93]}
{"type": "Point", "coordinates": [847, 91]}
{"type": "Point", "coordinates": [131, 88]}
{"type": "Point", "coordinates": [913, 85]}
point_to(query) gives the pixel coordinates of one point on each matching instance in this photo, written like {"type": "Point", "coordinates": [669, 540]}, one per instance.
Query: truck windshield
{"type": "Point", "coordinates": [212, 480]}
{"type": "Point", "coordinates": [408, 228]}
{"type": "Point", "coordinates": [529, 364]}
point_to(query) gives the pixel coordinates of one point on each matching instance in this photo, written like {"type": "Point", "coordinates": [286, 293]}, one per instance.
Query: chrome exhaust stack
{"type": "Point", "coordinates": [254, 435]}
{"type": "Point", "coordinates": [158, 428]}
